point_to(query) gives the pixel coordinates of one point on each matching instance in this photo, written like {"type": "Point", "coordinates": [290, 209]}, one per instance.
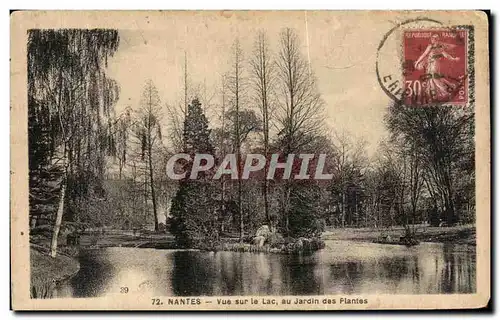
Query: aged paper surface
{"type": "Point", "coordinates": [127, 130]}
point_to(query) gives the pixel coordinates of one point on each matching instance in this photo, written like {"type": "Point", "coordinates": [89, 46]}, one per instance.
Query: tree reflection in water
{"type": "Point", "coordinates": [341, 268]}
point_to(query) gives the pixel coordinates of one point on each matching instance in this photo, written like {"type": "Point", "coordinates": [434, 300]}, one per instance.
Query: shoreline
{"type": "Point", "coordinates": [465, 234]}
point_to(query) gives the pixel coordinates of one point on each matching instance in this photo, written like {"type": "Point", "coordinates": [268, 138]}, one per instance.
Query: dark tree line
{"type": "Point", "coordinates": [438, 146]}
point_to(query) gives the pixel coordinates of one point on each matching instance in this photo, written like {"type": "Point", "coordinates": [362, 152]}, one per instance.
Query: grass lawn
{"type": "Point", "coordinates": [464, 234]}
{"type": "Point", "coordinates": [44, 266]}
{"type": "Point", "coordinates": [47, 271]}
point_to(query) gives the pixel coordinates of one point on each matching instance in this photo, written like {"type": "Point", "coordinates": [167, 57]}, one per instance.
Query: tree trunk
{"type": "Point", "coordinates": [286, 207]}
{"type": "Point", "coordinates": [265, 186]}
{"type": "Point", "coordinates": [450, 209]}
{"type": "Point", "coordinates": [238, 137]}
{"type": "Point", "coordinates": [60, 211]}
{"type": "Point", "coordinates": [120, 169]}
{"type": "Point", "coordinates": [223, 205]}
{"type": "Point", "coordinates": [343, 209]}
{"type": "Point", "coordinates": [240, 211]}
{"type": "Point", "coordinates": [266, 204]}
{"type": "Point", "coordinates": [153, 196]}
{"type": "Point", "coordinates": [265, 182]}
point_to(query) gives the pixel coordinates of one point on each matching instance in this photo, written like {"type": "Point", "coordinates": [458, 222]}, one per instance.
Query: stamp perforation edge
{"type": "Point", "coordinates": [469, 61]}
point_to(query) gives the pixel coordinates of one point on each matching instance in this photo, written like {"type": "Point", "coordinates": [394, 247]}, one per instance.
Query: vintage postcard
{"type": "Point", "coordinates": [250, 160]}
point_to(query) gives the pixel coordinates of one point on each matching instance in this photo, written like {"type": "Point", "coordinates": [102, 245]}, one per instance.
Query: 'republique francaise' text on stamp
{"type": "Point", "coordinates": [435, 66]}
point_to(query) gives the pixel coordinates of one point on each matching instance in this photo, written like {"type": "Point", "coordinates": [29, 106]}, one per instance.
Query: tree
{"type": "Point", "coordinates": [148, 130]}
{"type": "Point", "coordinates": [383, 183]}
{"type": "Point", "coordinates": [415, 179]}
{"type": "Point", "coordinates": [299, 105]}
{"type": "Point", "coordinates": [442, 137]}
{"type": "Point", "coordinates": [349, 161]}
{"type": "Point", "coordinates": [193, 209]}
{"type": "Point", "coordinates": [121, 134]}
{"type": "Point", "coordinates": [236, 84]}
{"type": "Point", "coordinates": [223, 142]}
{"type": "Point", "coordinates": [263, 77]}
{"type": "Point", "coordinates": [69, 100]}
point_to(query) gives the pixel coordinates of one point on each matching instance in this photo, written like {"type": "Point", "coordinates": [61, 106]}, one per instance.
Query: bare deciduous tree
{"type": "Point", "coordinates": [299, 103]}
{"type": "Point", "coordinates": [263, 76]}
{"type": "Point", "coordinates": [149, 132]}
{"type": "Point", "coordinates": [236, 84]}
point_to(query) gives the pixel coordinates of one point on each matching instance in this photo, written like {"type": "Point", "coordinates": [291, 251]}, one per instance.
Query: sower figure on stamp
{"type": "Point", "coordinates": [438, 87]}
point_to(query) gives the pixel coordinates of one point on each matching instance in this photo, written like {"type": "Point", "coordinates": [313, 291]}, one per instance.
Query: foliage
{"type": "Point", "coordinates": [70, 100]}
{"type": "Point", "coordinates": [442, 137]}
{"type": "Point", "coordinates": [194, 219]}
{"type": "Point", "coordinates": [148, 134]}
{"type": "Point", "coordinates": [305, 215]}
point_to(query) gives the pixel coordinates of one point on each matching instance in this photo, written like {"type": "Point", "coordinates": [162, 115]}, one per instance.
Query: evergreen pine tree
{"type": "Point", "coordinates": [193, 207]}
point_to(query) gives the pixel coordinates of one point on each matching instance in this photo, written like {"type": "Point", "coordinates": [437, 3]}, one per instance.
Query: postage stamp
{"type": "Point", "coordinates": [435, 66]}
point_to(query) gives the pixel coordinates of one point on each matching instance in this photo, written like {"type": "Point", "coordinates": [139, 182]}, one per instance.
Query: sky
{"type": "Point", "coordinates": [341, 50]}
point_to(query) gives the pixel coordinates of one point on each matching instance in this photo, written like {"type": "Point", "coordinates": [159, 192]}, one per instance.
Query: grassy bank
{"type": "Point", "coordinates": [302, 245]}
{"type": "Point", "coordinates": [117, 239]}
{"type": "Point", "coordinates": [465, 234]}
{"type": "Point", "coordinates": [167, 241]}
{"type": "Point", "coordinates": [46, 271]}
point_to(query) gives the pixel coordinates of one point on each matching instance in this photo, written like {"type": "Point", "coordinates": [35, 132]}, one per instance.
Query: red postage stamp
{"type": "Point", "coordinates": [435, 67]}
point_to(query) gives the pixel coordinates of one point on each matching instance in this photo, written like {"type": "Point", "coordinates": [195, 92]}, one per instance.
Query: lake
{"type": "Point", "coordinates": [343, 267]}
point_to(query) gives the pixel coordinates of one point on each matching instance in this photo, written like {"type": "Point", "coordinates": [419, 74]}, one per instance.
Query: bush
{"type": "Point", "coordinates": [162, 227]}
{"type": "Point", "coordinates": [275, 240]}
{"type": "Point", "coordinates": [304, 217]}
{"type": "Point", "coordinates": [299, 246]}
{"type": "Point", "coordinates": [192, 224]}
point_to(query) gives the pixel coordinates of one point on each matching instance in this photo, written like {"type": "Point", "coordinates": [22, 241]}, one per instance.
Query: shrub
{"type": "Point", "coordinates": [275, 240]}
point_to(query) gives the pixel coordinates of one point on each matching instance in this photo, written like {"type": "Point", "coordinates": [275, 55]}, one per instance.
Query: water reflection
{"type": "Point", "coordinates": [192, 273]}
{"type": "Point", "coordinates": [342, 267]}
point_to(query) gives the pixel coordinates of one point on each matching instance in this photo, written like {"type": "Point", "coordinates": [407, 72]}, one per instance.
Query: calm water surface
{"type": "Point", "coordinates": [342, 267]}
